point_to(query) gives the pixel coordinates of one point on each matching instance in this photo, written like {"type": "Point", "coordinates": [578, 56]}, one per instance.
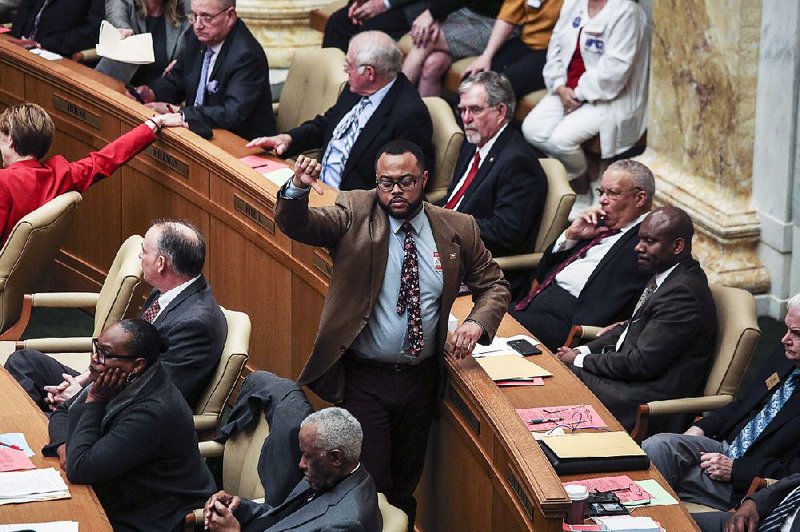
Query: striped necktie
{"type": "Point", "coordinates": [778, 516]}
{"type": "Point", "coordinates": [346, 132]}
{"type": "Point", "coordinates": [200, 97]}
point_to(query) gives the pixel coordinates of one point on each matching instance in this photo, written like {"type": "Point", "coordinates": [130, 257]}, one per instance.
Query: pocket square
{"type": "Point", "coordinates": [213, 86]}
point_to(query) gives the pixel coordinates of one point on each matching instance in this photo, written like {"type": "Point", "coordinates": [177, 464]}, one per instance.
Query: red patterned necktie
{"type": "Point", "coordinates": [152, 311]}
{"type": "Point", "coordinates": [523, 303]}
{"type": "Point", "coordinates": [473, 171]}
{"type": "Point", "coordinates": [409, 291]}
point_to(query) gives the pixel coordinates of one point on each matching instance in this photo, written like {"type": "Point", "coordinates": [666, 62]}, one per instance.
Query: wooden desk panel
{"type": "Point", "coordinates": [18, 413]}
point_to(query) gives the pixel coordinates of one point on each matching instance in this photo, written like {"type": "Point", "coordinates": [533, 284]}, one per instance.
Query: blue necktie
{"type": "Point", "coordinates": [200, 97]}
{"type": "Point", "coordinates": [776, 518]}
{"type": "Point", "coordinates": [756, 426]}
{"type": "Point", "coordinates": [345, 133]}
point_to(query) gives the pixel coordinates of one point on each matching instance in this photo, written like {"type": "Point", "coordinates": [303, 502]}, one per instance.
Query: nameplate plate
{"type": "Point", "coordinates": [168, 160]}
{"type": "Point", "coordinates": [322, 265]}
{"type": "Point", "coordinates": [254, 214]}
{"type": "Point", "coordinates": [523, 499]}
{"type": "Point", "coordinates": [464, 410]}
{"type": "Point", "coordinates": [76, 111]}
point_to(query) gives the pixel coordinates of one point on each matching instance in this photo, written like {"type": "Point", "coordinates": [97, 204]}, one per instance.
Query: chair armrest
{"type": "Point", "coordinates": [519, 262]}
{"type": "Point", "coordinates": [89, 55]}
{"type": "Point", "coordinates": [59, 345]}
{"type": "Point", "coordinates": [205, 421]}
{"type": "Point", "coordinates": [757, 484]}
{"type": "Point", "coordinates": [211, 449]}
{"type": "Point", "coordinates": [65, 299]}
{"type": "Point", "coordinates": [580, 334]}
{"type": "Point", "coordinates": [685, 405]}
{"type": "Point", "coordinates": [193, 520]}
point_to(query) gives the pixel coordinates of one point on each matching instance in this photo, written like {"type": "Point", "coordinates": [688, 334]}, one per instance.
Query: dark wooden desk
{"type": "Point", "coordinates": [484, 470]}
{"type": "Point", "coordinates": [18, 413]}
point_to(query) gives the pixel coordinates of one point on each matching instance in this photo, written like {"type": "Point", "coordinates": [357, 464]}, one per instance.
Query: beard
{"type": "Point", "coordinates": [411, 209]}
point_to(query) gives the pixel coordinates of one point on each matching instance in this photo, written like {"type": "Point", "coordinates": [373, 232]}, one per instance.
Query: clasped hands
{"type": "Point", "coordinates": [424, 30]}
{"type": "Point", "coordinates": [362, 10]}
{"type": "Point", "coordinates": [568, 99]}
{"type": "Point", "coordinates": [218, 512]}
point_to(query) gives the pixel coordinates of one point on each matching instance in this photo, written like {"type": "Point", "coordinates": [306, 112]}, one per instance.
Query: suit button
{"type": "Point", "coordinates": [342, 349]}
{"type": "Point", "coordinates": [365, 318]}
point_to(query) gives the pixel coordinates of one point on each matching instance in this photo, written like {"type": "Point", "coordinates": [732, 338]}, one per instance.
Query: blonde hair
{"type": "Point", "coordinates": [30, 128]}
{"type": "Point", "coordinates": [173, 11]}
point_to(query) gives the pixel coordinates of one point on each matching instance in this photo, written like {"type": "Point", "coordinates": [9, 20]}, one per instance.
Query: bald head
{"type": "Point", "coordinates": [377, 49]}
{"type": "Point", "coordinates": [184, 246]}
{"type": "Point", "coordinates": [665, 238]}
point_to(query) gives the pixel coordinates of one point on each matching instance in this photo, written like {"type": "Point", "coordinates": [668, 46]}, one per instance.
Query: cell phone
{"type": "Point", "coordinates": [133, 92]}
{"type": "Point", "coordinates": [524, 347]}
{"type": "Point", "coordinates": [601, 222]}
{"type": "Point", "coordinates": [596, 509]}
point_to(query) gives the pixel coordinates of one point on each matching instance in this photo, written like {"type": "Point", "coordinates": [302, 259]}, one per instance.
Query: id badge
{"type": "Point", "coordinates": [437, 261]}
{"type": "Point", "coordinates": [535, 4]}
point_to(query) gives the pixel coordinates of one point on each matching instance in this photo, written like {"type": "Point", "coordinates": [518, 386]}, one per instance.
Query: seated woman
{"type": "Point", "coordinates": [521, 59]}
{"type": "Point", "coordinates": [596, 77]}
{"type": "Point", "coordinates": [130, 434]}
{"type": "Point", "coordinates": [61, 27]}
{"type": "Point", "coordinates": [165, 20]}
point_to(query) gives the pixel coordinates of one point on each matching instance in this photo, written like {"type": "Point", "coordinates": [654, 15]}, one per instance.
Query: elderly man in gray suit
{"type": "Point", "coordinates": [337, 493]}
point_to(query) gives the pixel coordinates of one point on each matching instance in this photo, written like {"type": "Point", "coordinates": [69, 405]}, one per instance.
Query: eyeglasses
{"type": "Point", "coordinates": [347, 67]}
{"type": "Point", "coordinates": [615, 194]}
{"type": "Point", "coordinates": [104, 354]}
{"type": "Point", "coordinates": [194, 18]}
{"type": "Point", "coordinates": [473, 110]}
{"type": "Point", "coordinates": [406, 182]}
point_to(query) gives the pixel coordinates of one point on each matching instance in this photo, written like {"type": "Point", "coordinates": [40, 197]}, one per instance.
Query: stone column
{"type": "Point", "coordinates": [704, 65]}
{"type": "Point", "coordinates": [281, 26]}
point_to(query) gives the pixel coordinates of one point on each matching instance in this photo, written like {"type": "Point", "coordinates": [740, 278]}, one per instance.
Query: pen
{"type": "Point", "coordinates": [17, 447]}
{"type": "Point", "coordinates": [539, 421]}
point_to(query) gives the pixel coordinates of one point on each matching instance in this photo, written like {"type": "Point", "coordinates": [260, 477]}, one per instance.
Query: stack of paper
{"type": "Point", "coordinates": [629, 492]}
{"type": "Point", "coordinates": [14, 460]}
{"type": "Point", "coordinates": [277, 172]}
{"type": "Point", "coordinates": [53, 526]}
{"type": "Point", "coordinates": [512, 367]}
{"type": "Point", "coordinates": [628, 523]}
{"type": "Point", "coordinates": [136, 49]}
{"type": "Point", "coordinates": [34, 485]}
{"type": "Point", "coordinates": [594, 445]}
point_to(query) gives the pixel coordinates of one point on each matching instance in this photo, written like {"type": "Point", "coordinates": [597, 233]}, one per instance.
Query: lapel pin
{"type": "Point", "coordinates": [452, 256]}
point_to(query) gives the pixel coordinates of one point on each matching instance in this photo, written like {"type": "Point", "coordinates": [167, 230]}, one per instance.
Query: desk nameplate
{"type": "Point", "coordinates": [254, 214]}
{"type": "Point", "coordinates": [323, 264]}
{"type": "Point", "coordinates": [168, 160]}
{"type": "Point", "coordinates": [77, 111]}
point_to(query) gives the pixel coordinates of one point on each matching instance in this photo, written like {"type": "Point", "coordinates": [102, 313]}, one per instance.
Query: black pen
{"type": "Point", "coordinates": [539, 421]}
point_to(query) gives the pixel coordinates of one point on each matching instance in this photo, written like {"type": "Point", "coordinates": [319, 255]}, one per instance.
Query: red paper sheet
{"type": "Point", "coordinates": [623, 486]}
{"type": "Point", "coordinates": [573, 416]}
{"type": "Point", "coordinates": [536, 381]}
{"type": "Point", "coordinates": [14, 460]}
{"type": "Point", "coordinates": [262, 164]}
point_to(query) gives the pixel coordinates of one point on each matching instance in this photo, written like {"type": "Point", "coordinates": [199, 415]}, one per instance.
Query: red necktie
{"type": "Point", "coordinates": [453, 201]}
{"type": "Point", "coordinates": [152, 311]}
{"type": "Point", "coordinates": [408, 299]}
{"type": "Point", "coordinates": [523, 303]}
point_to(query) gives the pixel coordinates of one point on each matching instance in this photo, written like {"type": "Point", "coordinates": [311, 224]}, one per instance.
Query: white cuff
{"type": "Point", "coordinates": [387, 4]}
{"type": "Point", "coordinates": [582, 353]}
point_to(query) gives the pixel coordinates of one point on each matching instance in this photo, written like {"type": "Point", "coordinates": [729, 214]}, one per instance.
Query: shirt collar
{"type": "Point", "coordinates": [417, 222]}
{"type": "Point", "coordinates": [216, 47]}
{"type": "Point", "coordinates": [661, 277]}
{"type": "Point", "coordinates": [625, 228]}
{"type": "Point", "coordinates": [169, 296]}
{"type": "Point", "coordinates": [377, 97]}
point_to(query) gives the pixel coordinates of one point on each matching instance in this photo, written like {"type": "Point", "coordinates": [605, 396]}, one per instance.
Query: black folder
{"type": "Point", "coordinates": [571, 466]}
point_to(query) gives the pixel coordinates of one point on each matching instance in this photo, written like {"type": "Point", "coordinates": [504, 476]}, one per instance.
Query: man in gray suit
{"type": "Point", "coordinates": [337, 493]}
{"type": "Point", "coordinates": [181, 306]}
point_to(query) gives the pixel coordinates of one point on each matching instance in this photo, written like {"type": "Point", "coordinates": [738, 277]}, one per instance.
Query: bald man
{"type": "Point", "coordinates": [663, 350]}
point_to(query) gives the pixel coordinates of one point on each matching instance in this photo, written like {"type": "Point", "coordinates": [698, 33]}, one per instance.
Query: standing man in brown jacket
{"type": "Point", "coordinates": [379, 354]}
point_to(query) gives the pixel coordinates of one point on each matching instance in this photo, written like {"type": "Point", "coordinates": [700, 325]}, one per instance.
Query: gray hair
{"type": "Point", "coordinates": [641, 177]}
{"type": "Point", "coordinates": [793, 303]}
{"type": "Point", "coordinates": [337, 429]}
{"type": "Point", "coordinates": [379, 50]}
{"type": "Point", "coordinates": [498, 90]}
{"type": "Point", "coordinates": [183, 244]}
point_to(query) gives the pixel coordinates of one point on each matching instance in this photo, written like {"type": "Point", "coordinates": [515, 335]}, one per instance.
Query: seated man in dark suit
{"type": "Point", "coordinates": [337, 493]}
{"type": "Point", "coordinates": [498, 178]}
{"type": "Point", "coordinates": [770, 509]}
{"type": "Point", "coordinates": [60, 26]}
{"type": "Point", "coordinates": [222, 75]}
{"type": "Point", "coordinates": [393, 17]}
{"type": "Point", "coordinates": [181, 306]}
{"type": "Point", "coordinates": [589, 275]}
{"type": "Point", "coordinates": [716, 459]}
{"type": "Point", "coordinates": [378, 105]}
{"type": "Point", "coordinates": [662, 351]}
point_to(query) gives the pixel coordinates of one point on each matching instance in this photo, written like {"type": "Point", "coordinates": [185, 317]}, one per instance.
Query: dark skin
{"type": "Point", "coordinates": [745, 519]}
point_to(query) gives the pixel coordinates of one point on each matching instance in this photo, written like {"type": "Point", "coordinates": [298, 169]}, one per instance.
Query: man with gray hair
{"type": "Point", "coordinates": [378, 105]}
{"type": "Point", "coordinates": [497, 178]}
{"type": "Point", "coordinates": [716, 459]}
{"type": "Point", "coordinates": [337, 493]}
{"type": "Point", "coordinates": [589, 275]}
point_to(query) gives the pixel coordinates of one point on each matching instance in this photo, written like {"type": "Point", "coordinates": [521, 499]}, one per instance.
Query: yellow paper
{"type": "Point", "coordinates": [593, 445]}
{"type": "Point", "coordinates": [511, 367]}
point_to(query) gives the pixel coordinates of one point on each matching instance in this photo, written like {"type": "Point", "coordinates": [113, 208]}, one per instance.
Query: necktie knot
{"type": "Point", "coordinates": [407, 228]}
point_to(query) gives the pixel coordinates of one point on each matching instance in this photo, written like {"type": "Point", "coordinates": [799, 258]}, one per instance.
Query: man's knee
{"type": "Point", "coordinates": [656, 444]}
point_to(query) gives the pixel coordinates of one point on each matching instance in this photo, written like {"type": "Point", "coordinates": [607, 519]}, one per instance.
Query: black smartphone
{"type": "Point", "coordinates": [601, 222]}
{"type": "Point", "coordinates": [524, 347]}
{"type": "Point", "coordinates": [133, 92]}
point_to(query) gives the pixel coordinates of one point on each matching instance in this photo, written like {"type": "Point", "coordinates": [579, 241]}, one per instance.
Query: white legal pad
{"type": "Point", "coordinates": [136, 49]}
{"type": "Point", "coordinates": [33, 485]}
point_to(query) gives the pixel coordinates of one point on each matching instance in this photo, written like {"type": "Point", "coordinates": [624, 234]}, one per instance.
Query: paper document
{"type": "Point", "coordinates": [628, 523]}
{"type": "Point", "coordinates": [536, 381]}
{"type": "Point", "coordinates": [658, 495]}
{"type": "Point", "coordinates": [572, 416]}
{"type": "Point", "coordinates": [628, 491]}
{"type": "Point", "coordinates": [136, 49]}
{"type": "Point", "coordinates": [53, 526]}
{"type": "Point", "coordinates": [33, 485]}
{"type": "Point", "coordinates": [499, 346]}
{"type": "Point", "coordinates": [14, 460]}
{"type": "Point", "coordinates": [280, 176]}
{"type": "Point", "coordinates": [593, 445]}
{"type": "Point", "coordinates": [512, 367]}
{"type": "Point", "coordinates": [16, 439]}
{"type": "Point", "coordinates": [46, 54]}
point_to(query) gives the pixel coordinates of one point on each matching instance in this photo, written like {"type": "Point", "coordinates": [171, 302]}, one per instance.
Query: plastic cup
{"type": "Point", "coordinates": [578, 495]}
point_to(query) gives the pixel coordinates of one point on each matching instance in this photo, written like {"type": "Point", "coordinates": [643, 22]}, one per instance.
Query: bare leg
{"type": "Point", "coordinates": [433, 70]}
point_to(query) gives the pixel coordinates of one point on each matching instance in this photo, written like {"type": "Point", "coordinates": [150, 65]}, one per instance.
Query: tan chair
{"type": "Point", "coordinates": [312, 86]}
{"type": "Point", "coordinates": [27, 256]}
{"type": "Point", "coordinates": [737, 335]}
{"type": "Point", "coordinates": [222, 382]}
{"type": "Point", "coordinates": [560, 198]}
{"type": "Point", "coordinates": [447, 139]}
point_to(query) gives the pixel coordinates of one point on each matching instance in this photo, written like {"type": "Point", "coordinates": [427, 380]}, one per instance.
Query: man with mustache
{"type": "Point", "coordinates": [663, 350]}
{"type": "Point", "coordinates": [397, 266]}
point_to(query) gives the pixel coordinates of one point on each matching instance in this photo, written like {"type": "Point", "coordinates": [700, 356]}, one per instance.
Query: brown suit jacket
{"type": "Point", "coordinates": [356, 233]}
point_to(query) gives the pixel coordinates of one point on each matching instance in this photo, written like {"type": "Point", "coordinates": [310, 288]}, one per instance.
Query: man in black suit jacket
{"type": "Point", "coordinates": [507, 193]}
{"type": "Point", "coordinates": [64, 27]}
{"type": "Point", "coordinates": [393, 17]}
{"type": "Point", "coordinates": [662, 351]}
{"type": "Point", "coordinates": [237, 94]}
{"type": "Point", "coordinates": [589, 275]}
{"type": "Point", "coordinates": [352, 131]}
{"type": "Point", "coordinates": [336, 494]}
{"type": "Point", "coordinates": [754, 511]}
{"type": "Point", "coordinates": [188, 316]}
{"type": "Point", "coordinates": [699, 464]}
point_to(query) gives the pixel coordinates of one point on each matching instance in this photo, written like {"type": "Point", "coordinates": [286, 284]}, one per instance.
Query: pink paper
{"type": "Point", "coordinates": [14, 460]}
{"type": "Point", "coordinates": [262, 164]}
{"type": "Point", "coordinates": [3, 29]}
{"type": "Point", "coordinates": [537, 381]}
{"type": "Point", "coordinates": [623, 486]}
{"type": "Point", "coordinates": [573, 416]}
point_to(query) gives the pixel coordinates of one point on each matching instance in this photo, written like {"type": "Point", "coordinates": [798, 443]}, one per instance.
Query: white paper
{"type": "Point", "coordinates": [46, 54]}
{"type": "Point", "coordinates": [279, 177]}
{"type": "Point", "coordinates": [53, 526]}
{"type": "Point", "coordinates": [136, 49]}
{"type": "Point", "coordinates": [18, 439]}
{"type": "Point", "coordinates": [625, 523]}
{"type": "Point", "coordinates": [36, 481]}
{"type": "Point", "coordinates": [500, 347]}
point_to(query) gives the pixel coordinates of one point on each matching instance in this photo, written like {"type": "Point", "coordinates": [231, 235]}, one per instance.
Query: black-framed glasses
{"type": "Point", "coordinates": [406, 182]}
{"type": "Point", "coordinates": [104, 354]}
{"type": "Point", "coordinates": [615, 194]}
{"type": "Point", "coordinates": [205, 19]}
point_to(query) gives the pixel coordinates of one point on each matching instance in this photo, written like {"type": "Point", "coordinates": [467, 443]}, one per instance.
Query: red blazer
{"type": "Point", "coordinates": [27, 185]}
